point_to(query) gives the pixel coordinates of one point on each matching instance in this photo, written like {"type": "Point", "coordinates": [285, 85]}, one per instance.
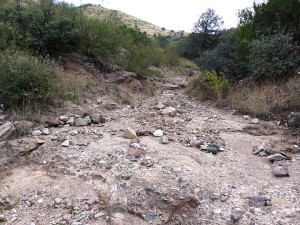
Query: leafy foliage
{"type": "Point", "coordinates": [26, 80]}
{"type": "Point", "coordinates": [274, 56]}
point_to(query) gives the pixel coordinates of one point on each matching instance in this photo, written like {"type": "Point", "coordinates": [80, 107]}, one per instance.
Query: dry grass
{"type": "Point", "coordinates": [266, 99]}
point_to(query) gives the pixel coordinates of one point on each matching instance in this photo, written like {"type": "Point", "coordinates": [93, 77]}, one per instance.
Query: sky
{"type": "Point", "coordinates": [173, 14]}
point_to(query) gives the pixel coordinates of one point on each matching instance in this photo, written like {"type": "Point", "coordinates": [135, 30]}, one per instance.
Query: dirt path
{"type": "Point", "coordinates": [92, 181]}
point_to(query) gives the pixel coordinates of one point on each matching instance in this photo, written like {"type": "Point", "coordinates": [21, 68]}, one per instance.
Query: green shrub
{"type": "Point", "coordinates": [26, 80]}
{"type": "Point", "coordinates": [219, 85]}
{"type": "Point", "coordinates": [274, 57]}
{"type": "Point", "coordinates": [224, 58]}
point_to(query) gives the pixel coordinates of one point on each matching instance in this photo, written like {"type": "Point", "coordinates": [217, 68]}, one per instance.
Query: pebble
{"type": "Point", "coordinates": [257, 201]}
{"type": "Point", "coordinates": [2, 218]}
{"type": "Point", "coordinates": [237, 214]}
{"type": "Point", "coordinates": [65, 143]}
{"type": "Point", "coordinates": [37, 133]}
{"type": "Point", "coordinates": [214, 149]}
{"type": "Point", "coordinates": [158, 133]}
{"type": "Point", "coordinates": [134, 152]}
{"type": "Point", "coordinates": [99, 215]}
{"type": "Point", "coordinates": [63, 118]}
{"type": "Point", "coordinates": [131, 158]}
{"type": "Point", "coordinates": [40, 142]}
{"type": "Point", "coordinates": [195, 143]}
{"type": "Point", "coordinates": [255, 121]}
{"type": "Point", "coordinates": [150, 217]}
{"type": "Point", "coordinates": [276, 157]}
{"type": "Point", "coordinates": [281, 171]}
{"type": "Point", "coordinates": [129, 133]}
{"type": "Point", "coordinates": [46, 131]}
{"type": "Point", "coordinates": [164, 140]}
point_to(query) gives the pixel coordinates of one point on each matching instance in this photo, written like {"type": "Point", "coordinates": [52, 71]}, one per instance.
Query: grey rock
{"type": "Point", "coordinates": [257, 201]}
{"type": "Point", "coordinates": [276, 157]}
{"type": "Point", "coordinates": [46, 131]}
{"type": "Point", "coordinates": [212, 148]}
{"type": "Point", "coordinates": [237, 214]}
{"type": "Point", "coordinates": [281, 171]}
{"type": "Point", "coordinates": [6, 130]}
{"type": "Point", "coordinates": [295, 120]}
{"type": "Point", "coordinates": [37, 133]}
{"type": "Point", "coordinates": [71, 120]}
{"type": "Point", "coordinates": [164, 140]}
{"type": "Point", "coordinates": [99, 215]}
{"type": "Point", "coordinates": [206, 195]}
{"type": "Point", "coordinates": [203, 147]}
{"type": "Point", "coordinates": [96, 118]}
{"type": "Point", "coordinates": [82, 122]}
{"type": "Point", "coordinates": [131, 158]}
{"type": "Point", "coordinates": [150, 217]}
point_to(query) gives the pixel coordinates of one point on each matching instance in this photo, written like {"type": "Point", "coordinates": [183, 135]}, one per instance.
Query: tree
{"type": "Point", "coordinates": [209, 25]}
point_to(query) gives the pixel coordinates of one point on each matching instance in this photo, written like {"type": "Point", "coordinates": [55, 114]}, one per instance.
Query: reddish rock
{"type": "Point", "coordinates": [195, 143]}
{"type": "Point", "coordinates": [25, 124]}
{"type": "Point", "coordinates": [52, 122]}
{"type": "Point", "coordinates": [134, 152]}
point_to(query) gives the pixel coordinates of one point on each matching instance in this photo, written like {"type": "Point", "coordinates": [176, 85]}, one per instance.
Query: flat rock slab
{"type": "Point", "coordinates": [6, 130]}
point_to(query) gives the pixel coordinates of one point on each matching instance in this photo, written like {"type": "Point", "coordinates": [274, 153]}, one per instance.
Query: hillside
{"type": "Point", "coordinates": [97, 11]}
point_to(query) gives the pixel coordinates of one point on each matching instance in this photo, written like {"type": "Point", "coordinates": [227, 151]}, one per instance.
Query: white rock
{"type": "Point", "coordinates": [40, 142]}
{"type": "Point", "coordinates": [246, 117]}
{"type": "Point", "coordinates": [169, 111]}
{"type": "Point", "coordinates": [36, 133]}
{"type": "Point", "coordinates": [65, 143]}
{"type": "Point", "coordinates": [255, 121]}
{"type": "Point", "coordinates": [158, 133]}
{"type": "Point", "coordinates": [46, 131]}
{"type": "Point", "coordinates": [63, 118]}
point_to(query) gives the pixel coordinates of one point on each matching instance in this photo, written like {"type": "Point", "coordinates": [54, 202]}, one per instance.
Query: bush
{"type": "Point", "coordinates": [224, 58]}
{"type": "Point", "coordinates": [26, 80]}
{"type": "Point", "coordinates": [274, 57]}
{"type": "Point", "coordinates": [209, 86]}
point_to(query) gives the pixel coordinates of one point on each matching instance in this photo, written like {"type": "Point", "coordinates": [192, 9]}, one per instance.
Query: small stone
{"type": "Point", "coordinates": [246, 117]}
{"type": "Point", "coordinates": [46, 131]}
{"type": "Point", "coordinates": [158, 133]}
{"type": "Point", "coordinates": [224, 198]}
{"type": "Point", "coordinates": [119, 216]}
{"type": "Point", "coordinates": [237, 214]}
{"type": "Point", "coordinates": [276, 157]}
{"type": "Point", "coordinates": [131, 158]}
{"type": "Point", "coordinates": [2, 218]}
{"type": "Point", "coordinates": [37, 133]}
{"type": "Point", "coordinates": [96, 118]}
{"type": "Point", "coordinates": [71, 120]}
{"type": "Point", "coordinates": [68, 217]}
{"type": "Point", "coordinates": [65, 143]}
{"type": "Point", "coordinates": [24, 124]}
{"type": "Point", "coordinates": [40, 142]}
{"type": "Point", "coordinates": [195, 143]}
{"type": "Point", "coordinates": [255, 121]}
{"type": "Point", "coordinates": [40, 201]}
{"type": "Point", "coordinates": [134, 152]}
{"type": "Point", "coordinates": [150, 217]}
{"type": "Point", "coordinates": [257, 201]}
{"type": "Point", "coordinates": [73, 132]}
{"type": "Point", "coordinates": [159, 106]}
{"type": "Point", "coordinates": [214, 149]}
{"type": "Point", "coordinates": [99, 215]}
{"type": "Point", "coordinates": [129, 133]}
{"type": "Point", "coordinates": [52, 122]}
{"type": "Point", "coordinates": [281, 171]}
{"type": "Point", "coordinates": [169, 111]}
{"type": "Point", "coordinates": [164, 140]}
{"type": "Point", "coordinates": [203, 147]}
{"type": "Point", "coordinates": [63, 118]}
{"type": "Point", "coordinates": [135, 145]}
{"type": "Point", "coordinates": [82, 122]}
{"type": "Point", "coordinates": [57, 201]}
